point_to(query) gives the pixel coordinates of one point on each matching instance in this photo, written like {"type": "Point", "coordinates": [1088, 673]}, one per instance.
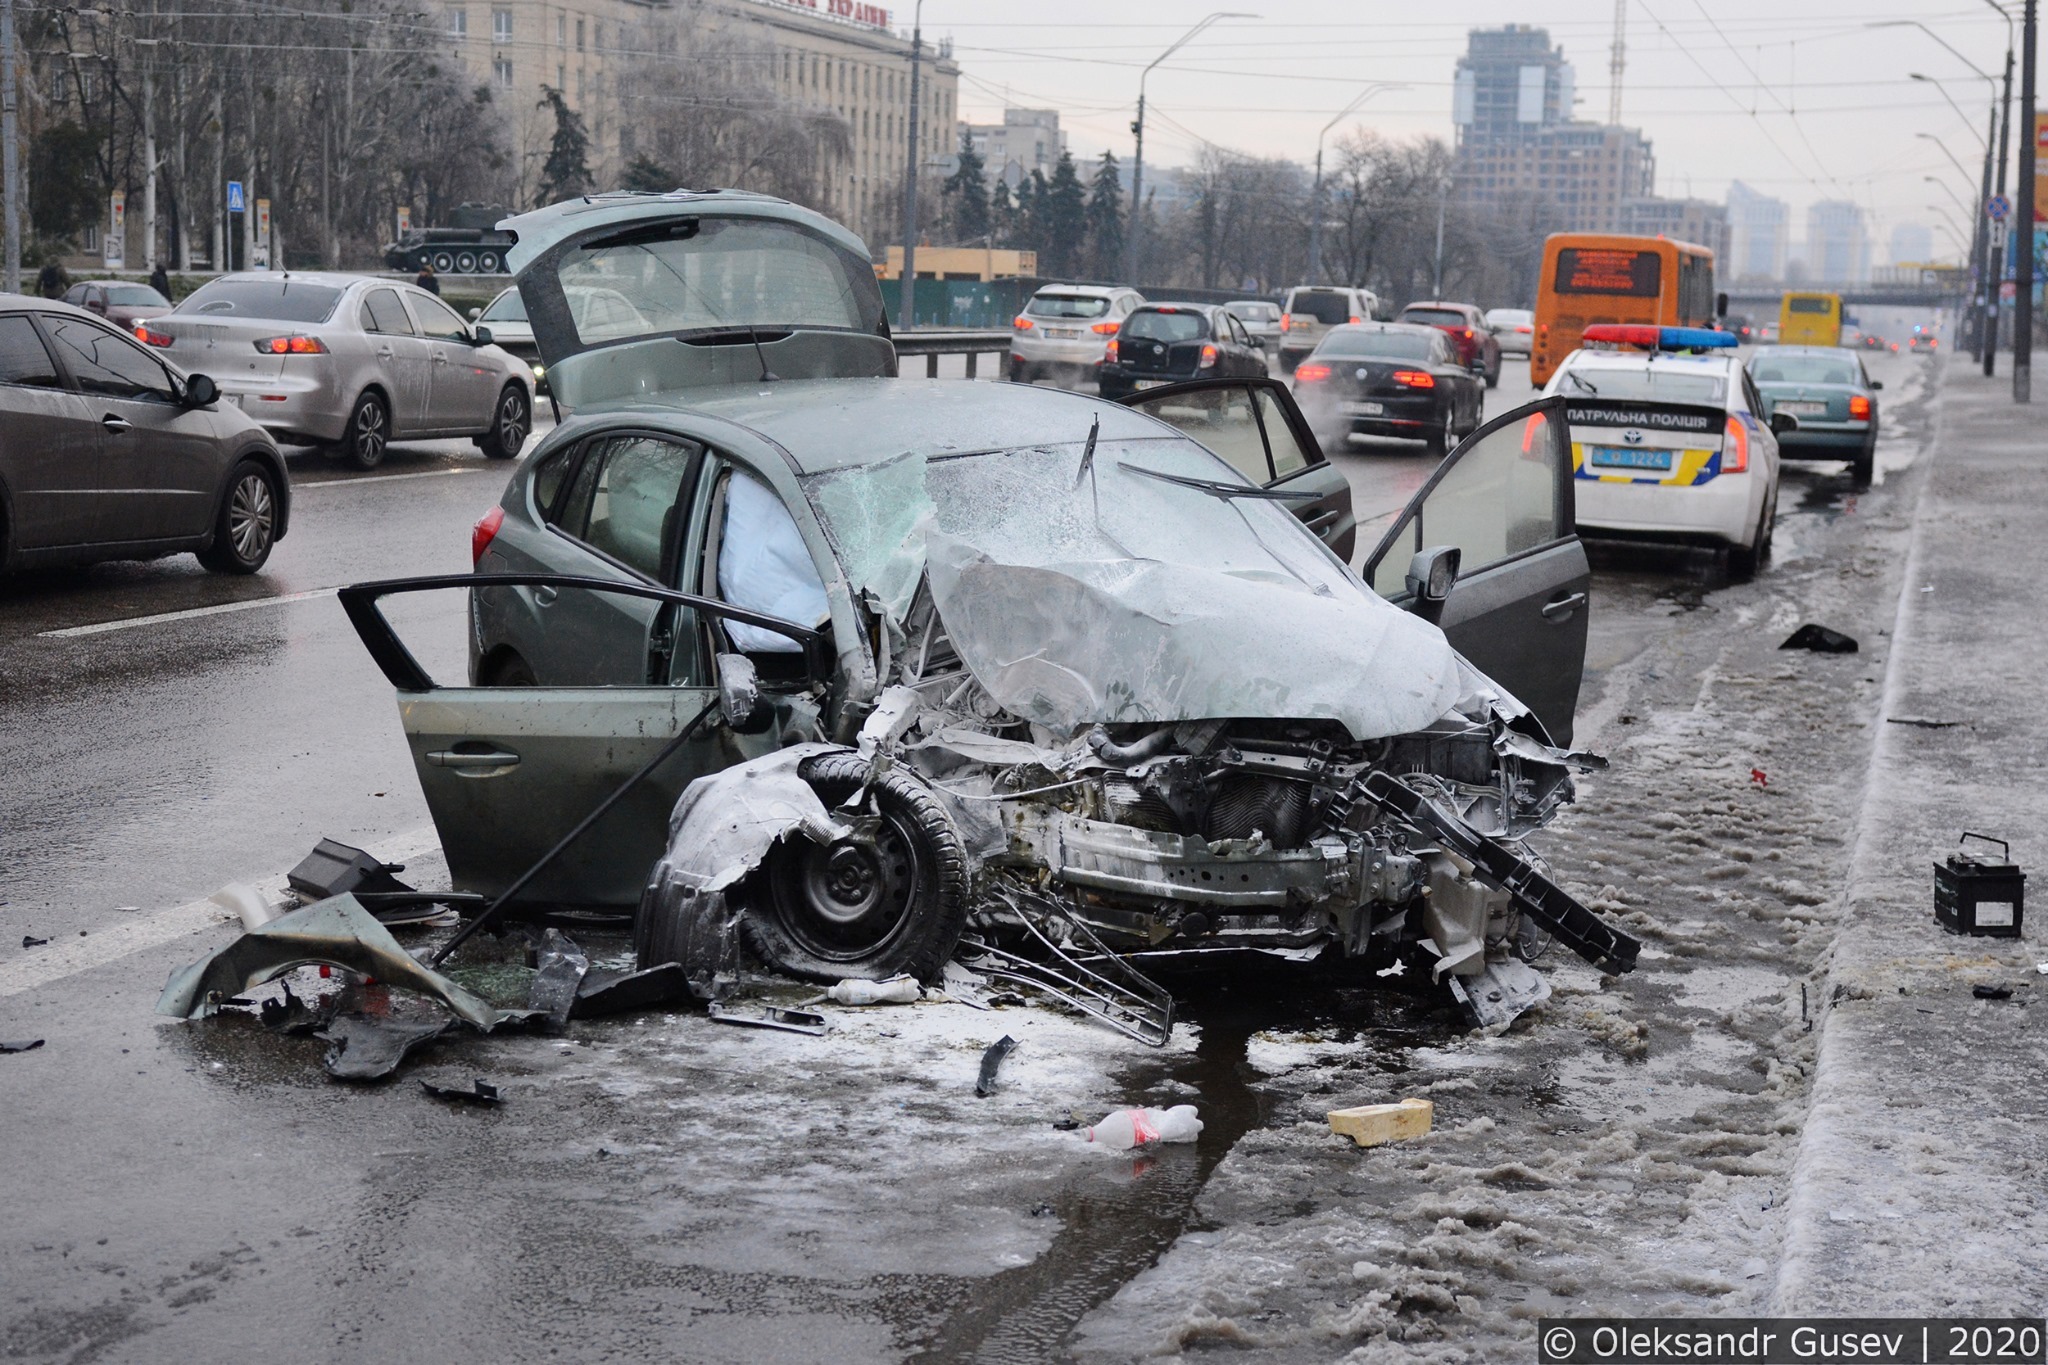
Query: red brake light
{"type": "Point", "coordinates": [1286, 321]}
{"type": "Point", "coordinates": [1859, 408]}
{"type": "Point", "coordinates": [1022, 324]}
{"type": "Point", "coordinates": [1530, 429]}
{"type": "Point", "coordinates": [1208, 357]}
{"type": "Point", "coordinates": [481, 534]}
{"type": "Point", "coordinates": [1357, 319]}
{"type": "Point", "coordinates": [1109, 352]}
{"type": "Point", "coordinates": [1521, 327]}
{"type": "Point", "coordinates": [1311, 374]}
{"type": "Point", "coordinates": [1468, 334]}
{"type": "Point", "coordinates": [1735, 452]}
{"type": "Point", "coordinates": [1105, 328]}
{"type": "Point", "coordinates": [292, 346]}
{"type": "Point", "coordinates": [1415, 379]}
{"type": "Point", "coordinates": [149, 338]}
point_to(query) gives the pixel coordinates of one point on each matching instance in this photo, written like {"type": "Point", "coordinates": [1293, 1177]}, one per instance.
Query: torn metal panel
{"type": "Point", "coordinates": [605, 991]}
{"type": "Point", "coordinates": [480, 1091]}
{"type": "Point", "coordinates": [337, 931]}
{"type": "Point", "coordinates": [362, 1048]}
{"type": "Point", "coordinates": [561, 968]}
{"type": "Point", "coordinates": [991, 1063]}
{"type": "Point", "coordinates": [1500, 991]}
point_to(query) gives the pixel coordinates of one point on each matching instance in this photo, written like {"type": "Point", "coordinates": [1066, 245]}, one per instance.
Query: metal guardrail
{"type": "Point", "coordinates": [933, 344]}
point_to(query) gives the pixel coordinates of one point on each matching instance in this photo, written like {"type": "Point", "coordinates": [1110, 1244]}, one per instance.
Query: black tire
{"type": "Point", "coordinates": [1493, 376]}
{"type": "Point", "coordinates": [1438, 443]}
{"type": "Point", "coordinates": [245, 527]}
{"type": "Point", "coordinates": [367, 437]}
{"type": "Point", "coordinates": [508, 670]}
{"type": "Point", "coordinates": [1745, 560]}
{"type": "Point", "coordinates": [862, 910]}
{"type": "Point", "coordinates": [511, 421]}
{"type": "Point", "coordinates": [1864, 466]}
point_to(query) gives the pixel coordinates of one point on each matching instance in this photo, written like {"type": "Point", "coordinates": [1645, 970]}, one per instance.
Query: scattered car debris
{"type": "Point", "coordinates": [1371, 1125]}
{"type": "Point", "coordinates": [337, 869]}
{"type": "Point", "coordinates": [29, 1046]}
{"type": "Point", "coordinates": [607, 991]}
{"type": "Point", "coordinates": [562, 966]}
{"type": "Point", "coordinates": [480, 1092]}
{"type": "Point", "coordinates": [1128, 1128]}
{"type": "Point", "coordinates": [897, 990]}
{"type": "Point", "coordinates": [363, 1048]}
{"type": "Point", "coordinates": [1989, 992]}
{"type": "Point", "coordinates": [28, 941]}
{"type": "Point", "coordinates": [1979, 894]}
{"type": "Point", "coordinates": [1820, 640]}
{"type": "Point", "coordinates": [992, 1062]}
{"type": "Point", "coordinates": [1922, 722]}
{"type": "Point", "coordinates": [246, 903]}
{"type": "Point", "coordinates": [1759, 777]}
{"type": "Point", "coordinates": [772, 1017]}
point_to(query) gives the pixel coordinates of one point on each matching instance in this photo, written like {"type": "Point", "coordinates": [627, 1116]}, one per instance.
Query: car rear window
{"type": "Point", "coordinates": [507, 307]}
{"type": "Point", "coordinates": [1804, 369]}
{"type": "Point", "coordinates": [1810, 304]}
{"type": "Point", "coordinates": [1435, 317]}
{"type": "Point", "coordinates": [271, 300]}
{"type": "Point", "coordinates": [135, 296]}
{"type": "Point", "coordinates": [1324, 305]}
{"type": "Point", "coordinates": [1510, 317]}
{"type": "Point", "coordinates": [1349, 345]}
{"type": "Point", "coordinates": [1647, 384]}
{"type": "Point", "coordinates": [1066, 306]}
{"type": "Point", "coordinates": [1256, 312]}
{"type": "Point", "coordinates": [1146, 325]}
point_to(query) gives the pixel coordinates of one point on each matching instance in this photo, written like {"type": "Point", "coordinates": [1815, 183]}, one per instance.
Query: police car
{"type": "Point", "coordinates": [1669, 441]}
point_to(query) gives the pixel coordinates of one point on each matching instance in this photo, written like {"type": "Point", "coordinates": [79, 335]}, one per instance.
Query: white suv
{"type": "Point", "coordinates": [1065, 330]}
{"type": "Point", "coordinates": [1310, 311]}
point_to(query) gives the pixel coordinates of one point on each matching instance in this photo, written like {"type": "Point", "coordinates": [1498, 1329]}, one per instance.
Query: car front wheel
{"type": "Point", "coordinates": [511, 420]}
{"type": "Point", "coordinates": [246, 526]}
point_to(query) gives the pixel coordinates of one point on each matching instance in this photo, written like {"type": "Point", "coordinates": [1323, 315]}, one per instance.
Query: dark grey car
{"type": "Point", "coordinates": [107, 452]}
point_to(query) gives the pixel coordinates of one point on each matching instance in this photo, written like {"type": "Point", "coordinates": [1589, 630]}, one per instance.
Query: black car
{"type": "Point", "coordinates": [1170, 343]}
{"type": "Point", "coordinates": [1389, 379]}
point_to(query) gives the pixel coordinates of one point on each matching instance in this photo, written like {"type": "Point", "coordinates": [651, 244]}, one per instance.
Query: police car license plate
{"type": "Point", "coordinates": [1616, 457]}
{"type": "Point", "coordinates": [1804, 409]}
{"type": "Point", "coordinates": [1364, 409]}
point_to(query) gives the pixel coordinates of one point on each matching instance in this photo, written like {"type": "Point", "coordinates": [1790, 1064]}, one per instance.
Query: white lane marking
{"type": "Point", "coordinates": [298, 484]}
{"type": "Point", "coordinates": [132, 934]}
{"type": "Point", "coordinates": [101, 627]}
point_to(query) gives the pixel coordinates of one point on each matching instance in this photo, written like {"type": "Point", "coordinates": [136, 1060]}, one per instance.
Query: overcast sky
{"type": "Point", "coordinates": [1799, 98]}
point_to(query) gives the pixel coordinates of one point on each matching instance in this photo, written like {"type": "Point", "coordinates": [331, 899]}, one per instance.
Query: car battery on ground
{"type": "Point", "coordinates": [1977, 893]}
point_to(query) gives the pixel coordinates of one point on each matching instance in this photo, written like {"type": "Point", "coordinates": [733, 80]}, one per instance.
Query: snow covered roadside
{"type": "Point", "coordinates": [1628, 1149]}
{"type": "Point", "coordinates": [1920, 1182]}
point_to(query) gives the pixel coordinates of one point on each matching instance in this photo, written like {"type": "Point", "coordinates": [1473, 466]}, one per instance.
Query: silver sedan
{"type": "Point", "coordinates": [349, 363]}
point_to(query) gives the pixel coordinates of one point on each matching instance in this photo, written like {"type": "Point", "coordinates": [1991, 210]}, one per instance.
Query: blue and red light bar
{"type": "Point", "coordinates": [1650, 338]}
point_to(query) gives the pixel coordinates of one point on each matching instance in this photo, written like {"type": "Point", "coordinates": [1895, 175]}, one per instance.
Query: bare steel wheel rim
{"type": "Point", "coordinates": [852, 899]}
{"type": "Point", "coordinates": [511, 420]}
{"type": "Point", "coordinates": [370, 430]}
{"type": "Point", "coordinates": [251, 514]}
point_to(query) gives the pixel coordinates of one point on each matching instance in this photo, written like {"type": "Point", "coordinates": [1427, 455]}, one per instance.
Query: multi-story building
{"type": "Point", "coordinates": [1912, 244]}
{"type": "Point", "coordinates": [1837, 245]}
{"type": "Point", "coordinates": [1026, 140]}
{"type": "Point", "coordinates": [836, 56]}
{"type": "Point", "coordinates": [1517, 140]}
{"type": "Point", "coordinates": [1759, 234]}
{"type": "Point", "coordinates": [1698, 221]}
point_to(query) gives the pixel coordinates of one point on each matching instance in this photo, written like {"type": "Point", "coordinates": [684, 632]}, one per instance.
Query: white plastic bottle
{"type": "Point", "coordinates": [897, 990]}
{"type": "Point", "coordinates": [1128, 1128]}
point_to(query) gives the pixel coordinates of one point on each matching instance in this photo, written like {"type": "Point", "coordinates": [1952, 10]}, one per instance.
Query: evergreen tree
{"type": "Point", "coordinates": [1031, 219]}
{"type": "Point", "coordinates": [647, 175]}
{"type": "Point", "coordinates": [967, 195]}
{"type": "Point", "coordinates": [1066, 216]}
{"type": "Point", "coordinates": [1106, 220]}
{"type": "Point", "coordinates": [1002, 213]}
{"type": "Point", "coordinates": [566, 173]}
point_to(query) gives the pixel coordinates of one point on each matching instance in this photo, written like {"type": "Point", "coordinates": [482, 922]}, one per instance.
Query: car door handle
{"type": "Point", "coordinates": [455, 758]}
{"type": "Point", "coordinates": [1322, 519]}
{"type": "Point", "coordinates": [1563, 607]}
{"type": "Point", "coordinates": [440, 359]}
{"type": "Point", "coordinates": [384, 354]}
{"type": "Point", "coordinates": [116, 425]}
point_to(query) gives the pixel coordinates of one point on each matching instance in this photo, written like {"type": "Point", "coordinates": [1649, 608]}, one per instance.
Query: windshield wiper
{"type": "Point", "coordinates": [1217, 488]}
{"type": "Point", "coordinates": [1582, 382]}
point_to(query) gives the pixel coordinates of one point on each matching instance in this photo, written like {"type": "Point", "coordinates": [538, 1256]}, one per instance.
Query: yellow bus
{"type": "Point", "coordinates": [1810, 320]}
{"type": "Point", "coordinates": [1591, 277]}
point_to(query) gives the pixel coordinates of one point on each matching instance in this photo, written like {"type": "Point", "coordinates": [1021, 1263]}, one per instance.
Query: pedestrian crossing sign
{"type": "Point", "coordinates": [236, 204]}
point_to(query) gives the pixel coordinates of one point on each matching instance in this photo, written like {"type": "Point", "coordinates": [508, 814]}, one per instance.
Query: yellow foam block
{"type": "Point", "coordinates": [1369, 1125]}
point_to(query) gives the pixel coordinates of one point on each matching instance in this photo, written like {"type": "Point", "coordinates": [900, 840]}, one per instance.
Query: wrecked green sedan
{"type": "Point", "coordinates": [851, 669]}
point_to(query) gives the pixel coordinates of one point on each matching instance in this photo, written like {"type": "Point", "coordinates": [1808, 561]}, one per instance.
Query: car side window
{"type": "Point", "coordinates": [1751, 399]}
{"type": "Point", "coordinates": [548, 480]}
{"type": "Point", "coordinates": [23, 358]}
{"type": "Point", "coordinates": [75, 295]}
{"type": "Point", "coordinates": [626, 499]}
{"type": "Point", "coordinates": [437, 320]}
{"type": "Point", "coordinates": [107, 364]}
{"type": "Point", "coordinates": [1499, 497]}
{"type": "Point", "coordinates": [382, 313]}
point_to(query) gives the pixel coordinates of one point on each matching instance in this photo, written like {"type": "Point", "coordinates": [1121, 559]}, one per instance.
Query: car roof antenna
{"type": "Point", "coordinates": [768, 376]}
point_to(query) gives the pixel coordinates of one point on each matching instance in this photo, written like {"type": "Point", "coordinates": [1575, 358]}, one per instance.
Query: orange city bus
{"type": "Point", "coordinates": [1591, 277]}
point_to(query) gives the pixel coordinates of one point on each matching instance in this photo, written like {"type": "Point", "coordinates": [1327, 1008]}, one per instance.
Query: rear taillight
{"type": "Point", "coordinates": [292, 346]}
{"type": "Point", "coordinates": [1468, 334]}
{"type": "Point", "coordinates": [1286, 321]}
{"type": "Point", "coordinates": [1208, 357]}
{"type": "Point", "coordinates": [1109, 352]}
{"type": "Point", "coordinates": [1415, 379]}
{"type": "Point", "coordinates": [1022, 324]}
{"type": "Point", "coordinates": [1356, 318]}
{"type": "Point", "coordinates": [1859, 408]}
{"type": "Point", "coordinates": [481, 534]}
{"type": "Point", "coordinates": [1523, 328]}
{"type": "Point", "coordinates": [1531, 429]}
{"type": "Point", "coordinates": [1311, 374]}
{"type": "Point", "coordinates": [1735, 451]}
{"type": "Point", "coordinates": [149, 338]}
{"type": "Point", "coordinates": [1105, 329]}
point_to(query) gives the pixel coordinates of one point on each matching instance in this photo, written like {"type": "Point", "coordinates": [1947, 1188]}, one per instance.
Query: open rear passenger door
{"type": "Point", "coordinates": [1517, 606]}
{"type": "Point", "coordinates": [1255, 426]}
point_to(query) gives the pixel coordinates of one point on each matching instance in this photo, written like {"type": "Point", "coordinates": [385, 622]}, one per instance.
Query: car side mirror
{"type": "Point", "coordinates": [475, 313]}
{"type": "Point", "coordinates": [200, 391]}
{"type": "Point", "coordinates": [1876, 383]}
{"type": "Point", "coordinates": [480, 337]}
{"type": "Point", "coordinates": [739, 690]}
{"type": "Point", "coordinates": [1782, 422]}
{"type": "Point", "coordinates": [1430, 576]}
{"type": "Point", "coordinates": [1721, 305]}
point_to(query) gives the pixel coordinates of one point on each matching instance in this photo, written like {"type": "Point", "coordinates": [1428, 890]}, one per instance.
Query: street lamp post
{"type": "Point", "coordinates": [10, 174]}
{"type": "Point", "coordinates": [2023, 263]}
{"type": "Point", "coordinates": [1995, 280]}
{"type": "Point", "coordinates": [1980, 227]}
{"type": "Point", "coordinates": [1137, 210]}
{"type": "Point", "coordinates": [1315, 223]}
{"type": "Point", "coordinates": [906, 283]}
